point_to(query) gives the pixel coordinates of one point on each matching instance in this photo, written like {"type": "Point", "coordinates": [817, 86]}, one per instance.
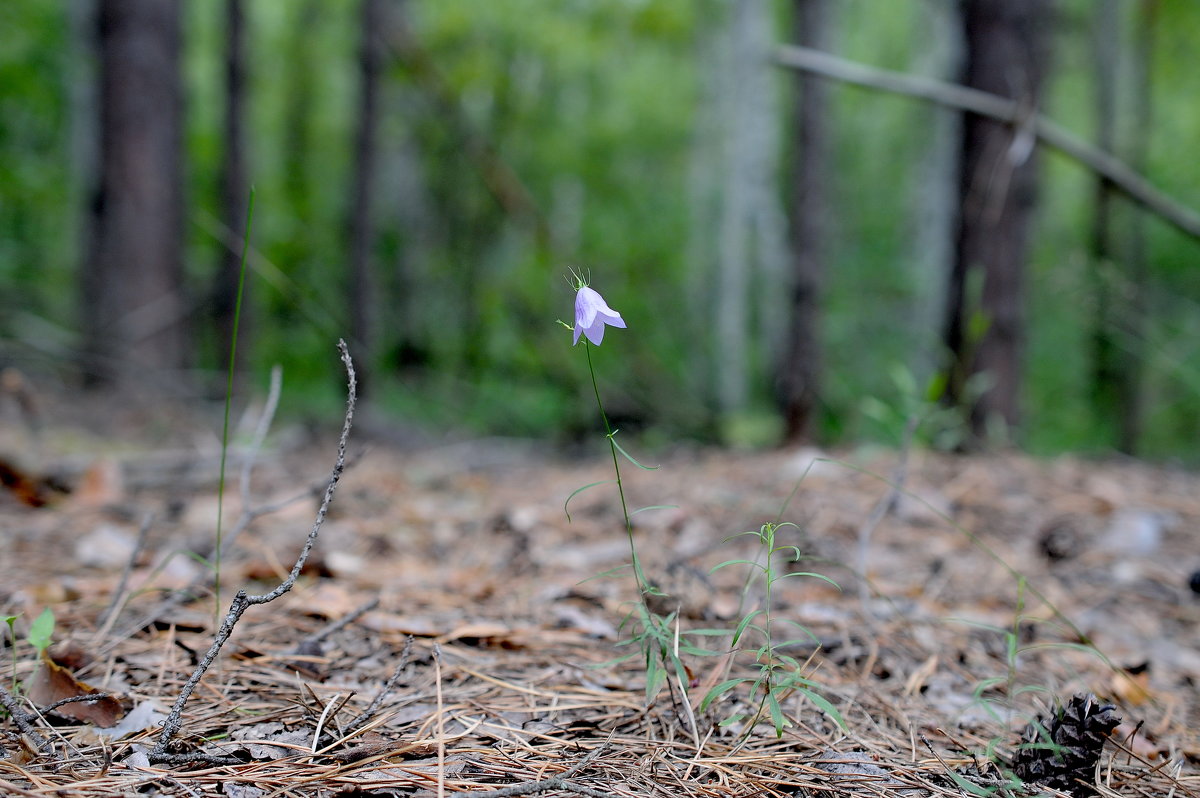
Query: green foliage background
{"type": "Point", "coordinates": [593, 105]}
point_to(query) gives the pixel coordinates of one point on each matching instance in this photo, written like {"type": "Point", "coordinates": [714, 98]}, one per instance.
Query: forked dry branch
{"type": "Point", "coordinates": [242, 601]}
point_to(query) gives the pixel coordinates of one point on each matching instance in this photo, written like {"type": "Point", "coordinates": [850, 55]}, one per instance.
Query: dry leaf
{"type": "Point", "coordinates": [478, 631]}
{"type": "Point", "coordinates": [1131, 687]}
{"type": "Point", "coordinates": [52, 683]}
{"type": "Point", "coordinates": [70, 654]}
{"type": "Point", "coordinates": [102, 484]}
{"type": "Point", "coordinates": [26, 488]}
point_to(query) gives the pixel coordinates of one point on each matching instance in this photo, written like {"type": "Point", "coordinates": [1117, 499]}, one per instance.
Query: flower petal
{"type": "Point", "coordinates": [613, 319]}
{"type": "Point", "coordinates": [592, 313]}
{"type": "Point", "coordinates": [587, 304]}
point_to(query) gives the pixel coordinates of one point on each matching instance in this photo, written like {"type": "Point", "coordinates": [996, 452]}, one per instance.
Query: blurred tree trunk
{"type": "Point", "coordinates": [362, 283]}
{"type": "Point", "coordinates": [234, 191]}
{"type": "Point", "coordinates": [747, 219]}
{"type": "Point", "coordinates": [298, 114]}
{"type": "Point", "coordinates": [84, 88]}
{"type": "Point", "coordinates": [733, 232]}
{"type": "Point", "coordinates": [1117, 240]}
{"type": "Point", "coordinates": [985, 330]}
{"type": "Point", "coordinates": [934, 197]}
{"type": "Point", "coordinates": [133, 306]}
{"type": "Point", "coordinates": [1130, 393]}
{"type": "Point", "coordinates": [800, 373]}
{"type": "Point", "coordinates": [1107, 371]}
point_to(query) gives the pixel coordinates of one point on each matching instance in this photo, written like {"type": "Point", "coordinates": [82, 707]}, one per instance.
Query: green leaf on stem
{"type": "Point", "coordinates": [41, 631]}
{"type": "Point", "coordinates": [719, 690]}
{"type": "Point", "coordinates": [613, 440]}
{"type": "Point", "coordinates": [823, 704]}
{"type": "Point", "coordinates": [578, 491]}
{"type": "Point", "coordinates": [744, 623]}
{"type": "Point", "coordinates": [654, 507]}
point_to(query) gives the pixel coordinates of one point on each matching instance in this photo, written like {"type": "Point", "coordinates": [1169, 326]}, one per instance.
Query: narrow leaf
{"type": "Point", "coordinates": [654, 507]}
{"type": "Point", "coordinates": [741, 627]}
{"type": "Point", "coordinates": [777, 719]}
{"type": "Point", "coordinates": [823, 704]}
{"type": "Point", "coordinates": [605, 574]}
{"type": "Point", "coordinates": [627, 455]}
{"type": "Point", "coordinates": [969, 786]}
{"type": "Point", "coordinates": [750, 563]}
{"type": "Point", "coordinates": [719, 690]}
{"type": "Point", "coordinates": [578, 491]}
{"type": "Point", "coordinates": [814, 575]}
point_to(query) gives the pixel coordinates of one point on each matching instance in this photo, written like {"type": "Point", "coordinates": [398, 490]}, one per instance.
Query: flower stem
{"type": "Point", "coordinates": [643, 588]}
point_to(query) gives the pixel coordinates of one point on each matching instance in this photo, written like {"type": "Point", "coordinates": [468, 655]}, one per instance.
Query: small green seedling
{"type": "Point", "coordinates": [779, 675]}
{"type": "Point", "coordinates": [41, 631]}
{"type": "Point", "coordinates": [9, 620]}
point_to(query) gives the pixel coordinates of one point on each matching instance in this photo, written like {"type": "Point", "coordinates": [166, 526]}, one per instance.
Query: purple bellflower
{"type": "Point", "coordinates": [591, 314]}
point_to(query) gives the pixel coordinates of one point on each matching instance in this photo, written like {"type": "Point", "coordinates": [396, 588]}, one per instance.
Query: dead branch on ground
{"type": "Point", "coordinates": [243, 601]}
{"type": "Point", "coordinates": [24, 721]}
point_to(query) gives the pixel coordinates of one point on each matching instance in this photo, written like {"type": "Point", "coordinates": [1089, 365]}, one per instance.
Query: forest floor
{"type": "Point", "coordinates": [994, 587]}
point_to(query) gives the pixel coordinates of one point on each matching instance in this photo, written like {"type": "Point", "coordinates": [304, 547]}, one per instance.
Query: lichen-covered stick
{"type": "Point", "coordinates": [242, 601]}
{"type": "Point", "coordinates": [22, 719]}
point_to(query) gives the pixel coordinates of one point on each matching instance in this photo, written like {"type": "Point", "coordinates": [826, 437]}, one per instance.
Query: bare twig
{"type": "Point", "coordinates": [387, 688]}
{"type": "Point", "coordinates": [1002, 109]}
{"type": "Point", "coordinates": [196, 758]}
{"type": "Point", "coordinates": [76, 699]}
{"type": "Point", "coordinates": [243, 601]}
{"type": "Point", "coordinates": [333, 628]}
{"type": "Point", "coordinates": [23, 720]}
{"type": "Point", "coordinates": [559, 782]}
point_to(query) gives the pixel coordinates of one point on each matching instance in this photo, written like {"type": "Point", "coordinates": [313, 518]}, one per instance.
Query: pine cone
{"type": "Point", "coordinates": [1063, 754]}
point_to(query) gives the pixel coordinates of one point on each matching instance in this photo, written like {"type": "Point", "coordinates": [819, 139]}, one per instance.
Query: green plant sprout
{"type": "Point", "coordinates": [41, 631]}
{"type": "Point", "coordinates": [9, 621]}
{"type": "Point", "coordinates": [779, 674]}
{"type": "Point", "coordinates": [934, 423]}
{"type": "Point", "coordinates": [233, 342]}
{"type": "Point", "coordinates": [40, 635]}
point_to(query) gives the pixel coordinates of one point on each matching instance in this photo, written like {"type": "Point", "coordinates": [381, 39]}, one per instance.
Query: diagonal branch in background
{"type": "Point", "coordinates": [243, 601]}
{"type": "Point", "coordinates": [1123, 178]}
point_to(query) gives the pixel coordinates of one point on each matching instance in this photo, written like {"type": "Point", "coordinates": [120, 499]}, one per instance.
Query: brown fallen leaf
{"type": "Point", "coordinates": [1132, 686]}
{"type": "Point", "coordinates": [53, 683]}
{"type": "Point", "coordinates": [70, 654]}
{"type": "Point", "coordinates": [103, 483]}
{"type": "Point", "coordinates": [483, 631]}
{"type": "Point", "coordinates": [28, 490]}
